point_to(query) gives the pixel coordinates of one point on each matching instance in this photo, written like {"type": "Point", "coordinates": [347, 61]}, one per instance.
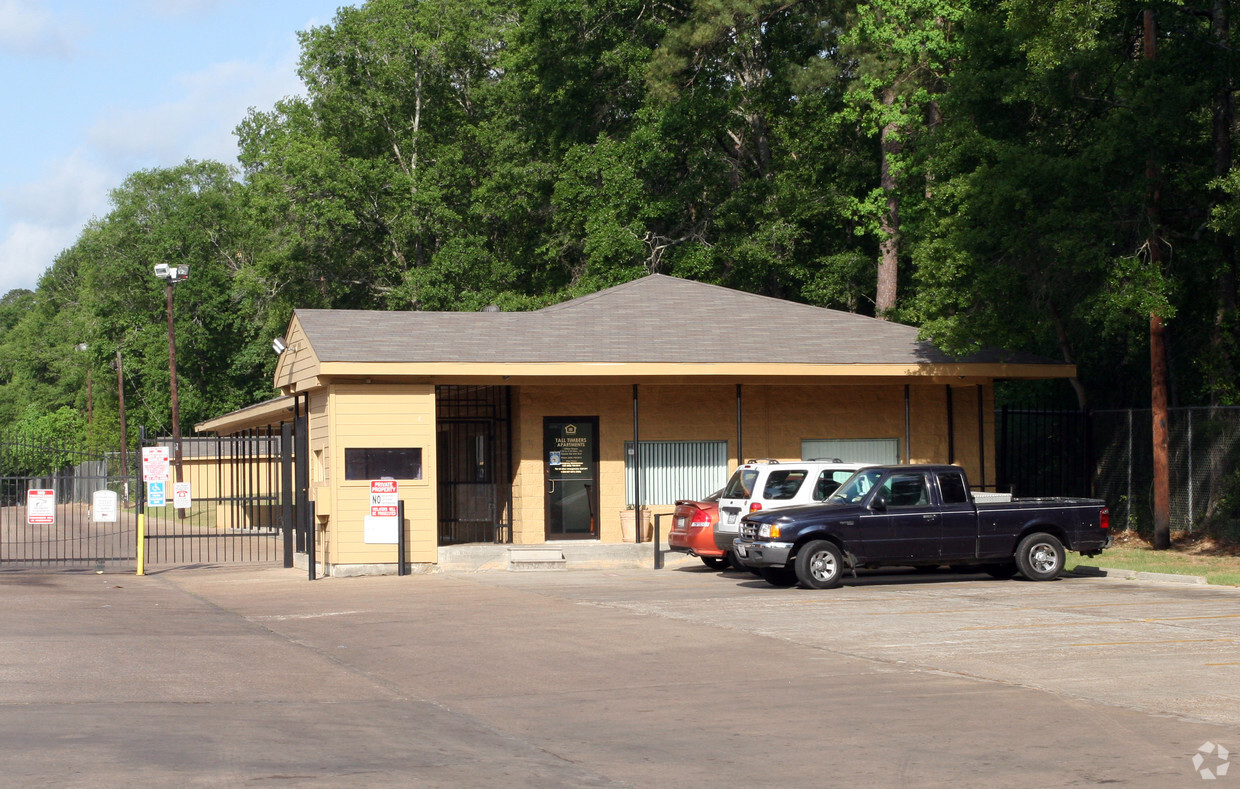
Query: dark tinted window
{"type": "Point", "coordinates": [905, 490]}
{"type": "Point", "coordinates": [829, 482]}
{"type": "Point", "coordinates": [741, 484]}
{"type": "Point", "coordinates": [952, 488]}
{"type": "Point", "coordinates": [383, 463]}
{"type": "Point", "coordinates": [784, 484]}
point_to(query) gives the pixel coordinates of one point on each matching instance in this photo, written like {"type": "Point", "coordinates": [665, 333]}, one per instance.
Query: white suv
{"type": "Point", "coordinates": [772, 484]}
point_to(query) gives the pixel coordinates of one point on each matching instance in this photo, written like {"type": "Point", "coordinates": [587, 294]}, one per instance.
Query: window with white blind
{"type": "Point", "coordinates": [674, 470]}
{"type": "Point", "coordinates": [880, 451]}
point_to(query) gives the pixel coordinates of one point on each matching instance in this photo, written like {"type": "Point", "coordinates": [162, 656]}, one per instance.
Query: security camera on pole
{"type": "Point", "coordinates": [172, 275]}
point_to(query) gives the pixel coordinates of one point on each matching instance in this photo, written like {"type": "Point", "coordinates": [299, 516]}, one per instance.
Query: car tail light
{"type": "Point", "coordinates": [701, 519]}
{"type": "Point", "coordinates": [757, 505]}
{"type": "Point", "coordinates": [1105, 518]}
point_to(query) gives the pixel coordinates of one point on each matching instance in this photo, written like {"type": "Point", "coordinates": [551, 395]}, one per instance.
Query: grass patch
{"type": "Point", "coordinates": [1218, 562]}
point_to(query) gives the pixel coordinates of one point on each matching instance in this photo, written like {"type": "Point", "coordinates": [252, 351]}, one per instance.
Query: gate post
{"type": "Point", "coordinates": [141, 536]}
{"type": "Point", "coordinates": [400, 537]}
{"type": "Point", "coordinates": [286, 491]}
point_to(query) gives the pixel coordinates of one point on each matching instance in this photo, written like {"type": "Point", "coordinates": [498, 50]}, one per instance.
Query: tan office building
{"type": "Point", "coordinates": [521, 427]}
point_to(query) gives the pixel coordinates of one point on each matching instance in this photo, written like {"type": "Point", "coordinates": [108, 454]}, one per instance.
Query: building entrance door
{"type": "Point", "coordinates": [570, 462]}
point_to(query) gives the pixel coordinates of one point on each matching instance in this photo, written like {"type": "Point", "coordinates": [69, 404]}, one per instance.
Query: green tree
{"type": "Point", "coordinates": [41, 442]}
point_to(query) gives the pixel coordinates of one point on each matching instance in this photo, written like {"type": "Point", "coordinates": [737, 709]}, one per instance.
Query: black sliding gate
{"type": "Point", "coordinates": [235, 494]}
{"type": "Point", "coordinates": [46, 496]}
{"type": "Point", "coordinates": [246, 505]}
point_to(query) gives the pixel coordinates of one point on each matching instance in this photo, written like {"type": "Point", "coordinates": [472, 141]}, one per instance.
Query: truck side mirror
{"type": "Point", "coordinates": [878, 504]}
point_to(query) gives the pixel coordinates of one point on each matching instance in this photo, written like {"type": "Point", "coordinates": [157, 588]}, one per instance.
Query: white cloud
{"type": "Point", "coordinates": [28, 28]}
{"type": "Point", "coordinates": [50, 214]}
{"type": "Point", "coordinates": [73, 190]}
{"type": "Point", "coordinates": [28, 250]}
{"type": "Point", "coordinates": [45, 215]}
{"type": "Point", "coordinates": [183, 8]}
{"type": "Point", "coordinates": [200, 124]}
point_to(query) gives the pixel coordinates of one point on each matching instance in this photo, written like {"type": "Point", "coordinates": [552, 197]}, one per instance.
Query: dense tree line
{"type": "Point", "coordinates": [1018, 173]}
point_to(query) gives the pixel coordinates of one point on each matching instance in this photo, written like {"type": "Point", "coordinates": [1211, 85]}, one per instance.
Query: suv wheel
{"type": "Point", "coordinates": [820, 565]}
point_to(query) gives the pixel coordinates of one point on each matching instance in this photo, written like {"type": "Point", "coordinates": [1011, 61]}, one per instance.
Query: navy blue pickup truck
{"type": "Point", "coordinates": [923, 516]}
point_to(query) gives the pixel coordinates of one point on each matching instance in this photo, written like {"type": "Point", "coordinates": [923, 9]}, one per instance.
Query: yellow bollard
{"type": "Point", "coordinates": [141, 543]}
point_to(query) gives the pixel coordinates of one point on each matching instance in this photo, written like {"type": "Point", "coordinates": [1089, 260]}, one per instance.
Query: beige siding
{"type": "Point", "coordinates": [381, 416]}
{"type": "Point", "coordinates": [775, 421]}
{"type": "Point", "coordinates": [298, 363]}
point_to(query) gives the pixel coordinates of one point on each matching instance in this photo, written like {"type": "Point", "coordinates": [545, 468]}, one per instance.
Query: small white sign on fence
{"type": "Point", "coordinates": [181, 496]}
{"type": "Point", "coordinates": [104, 506]}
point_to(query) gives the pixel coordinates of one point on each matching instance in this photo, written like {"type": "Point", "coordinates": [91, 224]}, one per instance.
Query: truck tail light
{"type": "Point", "coordinates": [754, 507]}
{"type": "Point", "coordinates": [1105, 518]}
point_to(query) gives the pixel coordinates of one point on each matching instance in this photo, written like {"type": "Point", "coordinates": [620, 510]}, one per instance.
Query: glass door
{"type": "Point", "coordinates": [570, 458]}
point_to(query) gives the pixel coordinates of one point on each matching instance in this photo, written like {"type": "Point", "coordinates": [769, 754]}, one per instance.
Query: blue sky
{"type": "Point", "coordinates": [97, 89]}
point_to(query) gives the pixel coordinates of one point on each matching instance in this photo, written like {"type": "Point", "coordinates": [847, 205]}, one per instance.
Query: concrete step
{"type": "Point", "coordinates": [536, 558]}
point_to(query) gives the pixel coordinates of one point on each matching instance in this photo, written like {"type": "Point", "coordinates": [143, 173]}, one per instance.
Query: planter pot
{"type": "Point", "coordinates": [627, 532]}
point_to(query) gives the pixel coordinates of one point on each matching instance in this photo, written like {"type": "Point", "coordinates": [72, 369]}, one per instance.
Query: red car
{"type": "Point", "coordinates": [693, 531]}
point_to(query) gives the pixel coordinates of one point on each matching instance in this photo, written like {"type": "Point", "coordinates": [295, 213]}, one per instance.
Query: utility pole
{"type": "Point", "coordinates": [1158, 342]}
{"type": "Point", "coordinates": [120, 399]}
{"type": "Point", "coordinates": [172, 275]}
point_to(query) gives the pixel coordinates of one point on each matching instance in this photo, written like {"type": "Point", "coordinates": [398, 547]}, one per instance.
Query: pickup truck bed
{"type": "Point", "coordinates": [921, 516]}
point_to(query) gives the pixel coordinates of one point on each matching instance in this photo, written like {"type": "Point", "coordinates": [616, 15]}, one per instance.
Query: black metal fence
{"type": "Point", "coordinates": [1109, 455]}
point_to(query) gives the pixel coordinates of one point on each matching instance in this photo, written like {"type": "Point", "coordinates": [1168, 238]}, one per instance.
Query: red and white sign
{"type": "Point", "coordinates": [40, 507]}
{"type": "Point", "coordinates": [155, 464]}
{"type": "Point", "coordinates": [181, 496]}
{"type": "Point", "coordinates": [383, 497]}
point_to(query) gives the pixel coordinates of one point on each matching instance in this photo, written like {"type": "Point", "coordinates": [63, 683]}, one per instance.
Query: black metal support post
{"type": "Point", "coordinates": [311, 539]}
{"type": "Point", "coordinates": [981, 433]}
{"type": "Point", "coordinates": [951, 427]}
{"type": "Point", "coordinates": [637, 475]}
{"type": "Point", "coordinates": [401, 569]}
{"type": "Point", "coordinates": [658, 553]}
{"type": "Point", "coordinates": [286, 490]}
{"type": "Point", "coordinates": [908, 430]}
{"type": "Point", "coordinates": [740, 455]}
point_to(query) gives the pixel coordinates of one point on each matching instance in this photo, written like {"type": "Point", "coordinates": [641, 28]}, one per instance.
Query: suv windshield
{"type": "Point", "coordinates": [741, 484]}
{"type": "Point", "coordinates": [856, 487]}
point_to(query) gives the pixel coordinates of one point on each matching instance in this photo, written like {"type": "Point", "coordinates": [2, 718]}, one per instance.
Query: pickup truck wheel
{"type": "Point", "coordinates": [715, 562]}
{"type": "Point", "coordinates": [778, 576]}
{"type": "Point", "coordinates": [1040, 557]}
{"type": "Point", "coordinates": [819, 565]}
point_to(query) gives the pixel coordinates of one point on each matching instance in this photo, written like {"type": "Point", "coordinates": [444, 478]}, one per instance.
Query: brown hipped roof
{"type": "Point", "coordinates": [655, 319]}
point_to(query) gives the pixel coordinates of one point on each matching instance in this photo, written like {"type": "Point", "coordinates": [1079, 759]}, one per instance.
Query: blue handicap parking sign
{"type": "Point", "coordinates": [155, 494]}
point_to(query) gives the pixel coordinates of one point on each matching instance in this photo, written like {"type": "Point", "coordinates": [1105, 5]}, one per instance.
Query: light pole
{"type": "Point", "coordinates": [172, 275]}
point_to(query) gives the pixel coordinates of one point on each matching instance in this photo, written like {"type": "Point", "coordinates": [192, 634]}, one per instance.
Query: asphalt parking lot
{"type": "Point", "coordinates": [679, 677]}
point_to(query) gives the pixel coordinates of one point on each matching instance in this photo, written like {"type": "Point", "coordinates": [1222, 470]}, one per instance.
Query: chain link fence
{"type": "Point", "coordinates": [1204, 450]}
